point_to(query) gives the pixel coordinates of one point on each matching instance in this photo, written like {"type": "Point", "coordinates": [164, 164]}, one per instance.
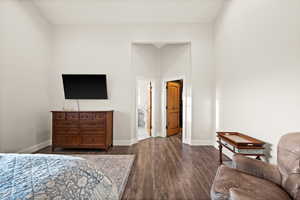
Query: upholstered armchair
{"type": "Point", "coordinates": [251, 179]}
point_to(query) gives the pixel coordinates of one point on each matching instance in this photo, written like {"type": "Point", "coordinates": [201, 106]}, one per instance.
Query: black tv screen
{"type": "Point", "coordinates": [85, 86]}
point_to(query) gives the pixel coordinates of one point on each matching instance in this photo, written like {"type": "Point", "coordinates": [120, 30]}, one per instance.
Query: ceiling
{"type": "Point", "coordinates": [128, 11]}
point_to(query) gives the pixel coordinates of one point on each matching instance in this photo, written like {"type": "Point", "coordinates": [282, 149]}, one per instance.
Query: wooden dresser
{"type": "Point", "coordinates": [84, 129]}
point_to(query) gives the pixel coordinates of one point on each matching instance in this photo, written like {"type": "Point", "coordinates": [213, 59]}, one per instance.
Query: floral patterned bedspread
{"type": "Point", "coordinates": [39, 177]}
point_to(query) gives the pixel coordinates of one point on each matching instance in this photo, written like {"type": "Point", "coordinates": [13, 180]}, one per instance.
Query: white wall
{"type": "Point", "coordinates": [175, 60]}
{"type": "Point", "coordinates": [1, 77]}
{"type": "Point", "coordinates": [145, 61]}
{"type": "Point", "coordinates": [257, 46]}
{"type": "Point", "coordinates": [25, 52]}
{"type": "Point", "coordinates": [107, 49]}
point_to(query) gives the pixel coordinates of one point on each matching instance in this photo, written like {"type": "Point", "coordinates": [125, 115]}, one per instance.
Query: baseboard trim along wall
{"type": "Point", "coordinates": [192, 143]}
{"type": "Point", "coordinates": [124, 142]}
{"type": "Point", "coordinates": [201, 142]}
{"type": "Point", "coordinates": [36, 147]}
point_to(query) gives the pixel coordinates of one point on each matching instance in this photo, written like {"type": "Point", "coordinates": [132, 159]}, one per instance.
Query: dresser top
{"type": "Point", "coordinates": [87, 111]}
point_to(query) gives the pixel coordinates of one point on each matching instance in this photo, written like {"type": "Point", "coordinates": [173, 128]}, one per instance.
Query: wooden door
{"type": "Point", "coordinates": [173, 108]}
{"type": "Point", "coordinates": [149, 110]}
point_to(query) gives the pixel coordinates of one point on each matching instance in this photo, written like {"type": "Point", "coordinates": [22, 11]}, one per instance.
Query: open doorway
{"type": "Point", "coordinates": [160, 64]}
{"type": "Point", "coordinates": [144, 109]}
{"type": "Point", "coordinates": [174, 108]}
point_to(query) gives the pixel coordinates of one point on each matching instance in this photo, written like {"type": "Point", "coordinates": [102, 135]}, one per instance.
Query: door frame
{"type": "Point", "coordinates": [186, 124]}
{"type": "Point", "coordinates": [136, 107]}
{"type": "Point", "coordinates": [150, 89]}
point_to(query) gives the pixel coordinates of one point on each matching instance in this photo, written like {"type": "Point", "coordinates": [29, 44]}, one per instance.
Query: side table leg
{"type": "Point", "coordinates": [220, 152]}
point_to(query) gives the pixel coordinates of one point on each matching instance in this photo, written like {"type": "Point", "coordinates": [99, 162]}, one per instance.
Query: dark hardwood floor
{"type": "Point", "coordinates": [165, 169]}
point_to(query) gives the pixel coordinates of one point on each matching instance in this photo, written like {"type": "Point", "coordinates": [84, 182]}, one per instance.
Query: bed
{"type": "Point", "coordinates": [40, 177]}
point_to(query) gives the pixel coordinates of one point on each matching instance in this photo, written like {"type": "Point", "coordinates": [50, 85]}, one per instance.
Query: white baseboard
{"type": "Point", "coordinates": [124, 142]}
{"type": "Point", "coordinates": [36, 147]}
{"type": "Point", "coordinates": [192, 142]}
{"type": "Point", "coordinates": [185, 141]}
{"type": "Point", "coordinates": [201, 142]}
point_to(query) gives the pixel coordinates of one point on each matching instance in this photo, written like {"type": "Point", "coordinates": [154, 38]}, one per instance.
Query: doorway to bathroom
{"type": "Point", "coordinates": [144, 109]}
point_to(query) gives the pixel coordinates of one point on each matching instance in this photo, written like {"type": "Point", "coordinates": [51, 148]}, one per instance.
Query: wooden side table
{"type": "Point", "coordinates": [239, 143]}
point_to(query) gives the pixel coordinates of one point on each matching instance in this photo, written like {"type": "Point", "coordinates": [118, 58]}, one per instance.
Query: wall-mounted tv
{"type": "Point", "coordinates": [85, 86]}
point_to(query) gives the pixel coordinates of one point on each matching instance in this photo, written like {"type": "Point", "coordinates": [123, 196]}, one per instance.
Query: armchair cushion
{"type": "Point", "coordinates": [229, 181]}
{"type": "Point", "coordinates": [257, 168]}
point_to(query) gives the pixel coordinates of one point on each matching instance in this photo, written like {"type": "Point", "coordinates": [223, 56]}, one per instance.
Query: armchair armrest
{"type": "Point", "coordinates": [239, 194]}
{"type": "Point", "coordinates": [292, 185]}
{"type": "Point", "coordinates": [257, 168]}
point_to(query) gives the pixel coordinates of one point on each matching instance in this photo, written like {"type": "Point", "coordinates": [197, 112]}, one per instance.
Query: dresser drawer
{"type": "Point", "coordinates": [93, 140]}
{"type": "Point", "coordinates": [66, 131]}
{"type": "Point", "coordinates": [92, 131]}
{"type": "Point", "coordinates": [100, 116]}
{"type": "Point", "coordinates": [59, 116]}
{"type": "Point", "coordinates": [87, 116]}
{"type": "Point", "coordinates": [92, 124]}
{"type": "Point", "coordinates": [66, 124]}
{"type": "Point", "coordinates": [66, 140]}
{"type": "Point", "coordinates": [72, 116]}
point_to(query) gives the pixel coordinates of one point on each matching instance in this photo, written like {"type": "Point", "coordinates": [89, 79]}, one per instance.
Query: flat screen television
{"type": "Point", "coordinates": [85, 86]}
